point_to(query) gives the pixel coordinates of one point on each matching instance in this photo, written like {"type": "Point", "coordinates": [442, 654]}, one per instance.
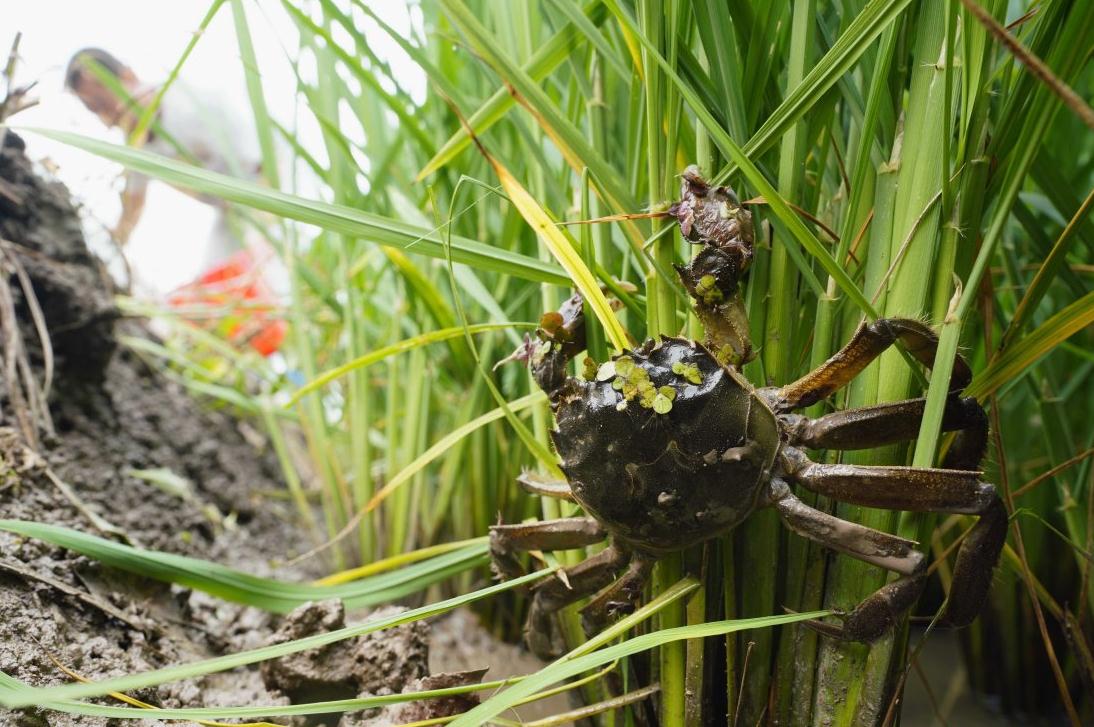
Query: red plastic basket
{"type": "Point", "coordinates": [233, 298]}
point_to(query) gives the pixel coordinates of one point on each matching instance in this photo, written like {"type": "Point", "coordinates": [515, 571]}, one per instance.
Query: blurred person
{"type": "Point", "coordinates": [186, 126]}
{"type": "Point", "coordinates": [191, 127]}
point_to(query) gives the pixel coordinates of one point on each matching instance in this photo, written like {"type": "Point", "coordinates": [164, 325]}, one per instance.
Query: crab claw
{"type": "Point", "coordinates": [547, 646]}
{"type": "Point", "coordinates": [711, 215]}
{"type": "Point", "coordinates": [824, 628]}
{"type": "Point", "coordinates": [865, 624]}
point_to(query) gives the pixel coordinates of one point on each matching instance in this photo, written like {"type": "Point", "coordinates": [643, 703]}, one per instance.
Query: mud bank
{"type": "Point", "coordinates": [79, 413]}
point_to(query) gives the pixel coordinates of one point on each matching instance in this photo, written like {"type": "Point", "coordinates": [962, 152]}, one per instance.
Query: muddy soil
{"type": "Point", "coordinates": [66, 458]}
{"type": "Point", "coordinates": [77, 416]}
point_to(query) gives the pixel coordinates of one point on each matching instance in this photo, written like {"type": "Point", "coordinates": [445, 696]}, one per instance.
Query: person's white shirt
{"type": "Point", "coordinates": [199, 127]}
{"type": "Point", "coordinates": [207, 129]}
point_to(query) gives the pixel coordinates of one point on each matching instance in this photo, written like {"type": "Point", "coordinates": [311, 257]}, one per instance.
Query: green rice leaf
{"type": "Point", "coordinates": [380, 354]}
{"type": "Point", "coordinates": [755, 177]}
{"type": "Point", "coordinates": [336, 218]}
{"type": "Point", "coordinates": [1016, 359]}
{"type": "Point", "coordinates": [561, 670]}
{"type": "Point", "coordinates": [44, 695]}
{"type": "Point", "coordinates": [233, 585]}
{"type": "Point", "coordinates": [564, 249]}
{"type": "Point", "coordinates": [13, 686]}
{"type": "Point", "coordinates": [569, 139]}
{"type": "Point", "coordinates": [546, 59]}
{"type": "Point", "coordinates": [450, 440]}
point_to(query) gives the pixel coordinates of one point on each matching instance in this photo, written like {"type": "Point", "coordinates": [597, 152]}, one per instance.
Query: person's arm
{"type": "Point", "coordinates": [136, 187]}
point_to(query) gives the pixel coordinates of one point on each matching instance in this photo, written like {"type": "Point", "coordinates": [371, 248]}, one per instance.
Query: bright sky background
{"type": "Point", "coordinates": [168, 247]}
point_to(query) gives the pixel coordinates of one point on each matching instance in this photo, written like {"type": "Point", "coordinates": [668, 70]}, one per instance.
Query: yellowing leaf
{"type": "Point", "coordinates": [562, 248]}
{"type": "Point", "coordinates": [443, 445]}
{"type": "Point", "coordinates": [134, 702]}
{"type": "Point", "coordinates": [380, 354]}
{"type": "Point", "coordinates": [1018, 357]}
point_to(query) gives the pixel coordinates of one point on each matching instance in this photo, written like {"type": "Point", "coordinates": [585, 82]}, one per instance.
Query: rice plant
{"type": "Point", "coordinates": [930, 160]}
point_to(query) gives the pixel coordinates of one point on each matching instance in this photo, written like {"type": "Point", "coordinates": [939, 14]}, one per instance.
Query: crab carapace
{"type": "Point", "coordinates": [667, 445]}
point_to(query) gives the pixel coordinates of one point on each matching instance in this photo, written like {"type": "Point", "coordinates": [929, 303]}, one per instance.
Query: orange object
{"type": "Point", "coordinates": [233, 299]}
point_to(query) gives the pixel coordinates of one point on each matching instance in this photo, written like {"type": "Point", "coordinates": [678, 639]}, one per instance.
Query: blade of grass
{"type": "Point", "coordinates": [549, 56]}
{"type": "Point", "coordinates": [332, 217]}
{"type": "Point", "coordinates": [1035, 65]}
{"type": "Point", "coordinates": [263, 123]}
{"type": "Point", "coordinates": [564, 249]}
{"type": "Point", "coordinates": [1034, 127]}
{"type": "Point", "coordinates": [447, 442]}
{"type": "Point", "coordinates": [755, 177]}
{"type": "Point", "coordinates": [579, 17]}
{"type": "Point", "coordinates": [149, 113]}
{"type": "Point", "coordinates": [536, 446]}
{"type": "Point", "coordinates": [839, 60]}
{"type": "Point", "coordinates": [145, 705]}
{"type": "Point", "coordinates": [561, 670]}
{"type": "Point", "coordinates": [1056, 259]}
{"type": "Point", "coordinates": [407, 119]}
{"type": "Point", "coordinates": [380, 354]}
{"type": "Point", "coordinates": [43, 695]}
{"type": "Point", "coordinates": [396, 561]}
{"type": "Point", "coordinates": [570, 141]}
{"type": "Point", "coordinates": [9, 684]}
{"type": "Point", "coordinates": [1020, 356]}
{"type": "Point", "coordinates": [233, 585]}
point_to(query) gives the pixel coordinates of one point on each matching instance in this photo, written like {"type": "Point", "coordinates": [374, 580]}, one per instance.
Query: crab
{"type": "Point", "coordinates": [667, 445]}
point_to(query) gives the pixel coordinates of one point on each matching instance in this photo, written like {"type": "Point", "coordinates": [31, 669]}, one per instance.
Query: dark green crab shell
{"type": "Point", "coordinates": [662, 482]}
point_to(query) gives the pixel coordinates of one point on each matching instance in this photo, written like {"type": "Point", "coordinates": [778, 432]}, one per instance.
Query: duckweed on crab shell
{"type": "Point", "coordinates": [648, 465]}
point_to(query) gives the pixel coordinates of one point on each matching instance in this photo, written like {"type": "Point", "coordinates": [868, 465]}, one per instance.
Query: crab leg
{"type": "Point", "coordinates": [561, 534]}
{"type": "Point", "coordinates": [919, 489]}
{"type": "Point", "coordinates": [534, 485]}
{"type": "Point", "coordinates": [555, 593]}
{"type": "Point", "coordinates": [971, 442]}
{"type": "Point", "coordinates": [876, 614]}
{"type": "Point", "coordinates": [976, 558]}
{"type": "Point", "coordinates": [875, 426]}
{"type": "Point", "coordinates": [560, 590]}
{"type": "Point", "coordinates": [869, 341]}
{"type": "Point", "coordinates": [618, 597]}
{"type": "Point", "coordinates": [869, 545]}
{"type": "Point", "coordinates": [923, 490]}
